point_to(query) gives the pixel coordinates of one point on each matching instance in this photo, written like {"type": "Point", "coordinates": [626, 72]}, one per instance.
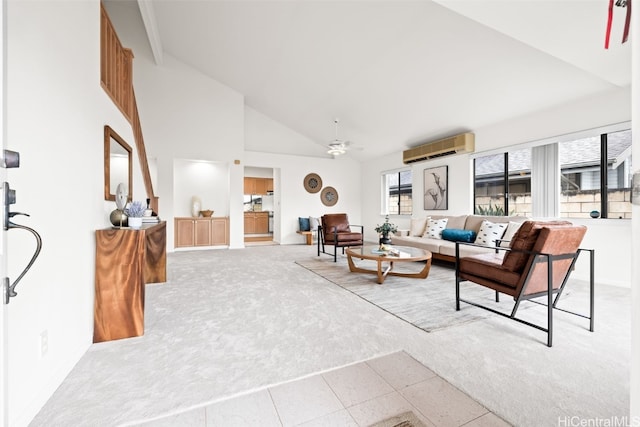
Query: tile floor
{"type": "Point", "coordinates": [356, 395]}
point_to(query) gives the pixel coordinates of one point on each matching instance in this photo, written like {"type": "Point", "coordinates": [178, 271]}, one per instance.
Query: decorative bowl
{"type": "Point", "coordinates": [206, 213]}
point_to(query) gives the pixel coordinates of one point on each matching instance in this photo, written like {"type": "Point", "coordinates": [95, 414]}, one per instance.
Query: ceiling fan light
{"type": "Point", "coordinates": [336, 151]}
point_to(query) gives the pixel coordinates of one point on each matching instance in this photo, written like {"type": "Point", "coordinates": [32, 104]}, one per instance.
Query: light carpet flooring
{"type": "Point", "coordinates": [229, 322]}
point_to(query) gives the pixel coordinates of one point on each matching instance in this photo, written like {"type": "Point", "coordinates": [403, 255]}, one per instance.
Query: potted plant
{"type": "Point", "coordinates": [135, 212]}
{"type": "Point", "coordinates": [385, 229]}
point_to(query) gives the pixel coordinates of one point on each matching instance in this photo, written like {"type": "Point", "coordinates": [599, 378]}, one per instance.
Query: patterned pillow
{"type": "Point", "coordinates": [435, 227]}
{"type": "Point", "coordinates": [489, 232]}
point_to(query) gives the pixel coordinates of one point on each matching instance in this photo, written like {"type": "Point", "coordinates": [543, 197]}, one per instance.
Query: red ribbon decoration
{"type": "Point", "coordinates": [627, 23]}
{"type": "Point", "coordinates": [609, 20]}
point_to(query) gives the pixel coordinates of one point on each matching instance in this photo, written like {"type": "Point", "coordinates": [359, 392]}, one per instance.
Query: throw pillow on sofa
{"type": "Point", "coordinates": [489, 232]}
{"type": "Point", "coordinates": [418, 225]}
{"type": "Point", "coordinates": [459, 235]}
{"type": "Point", "coordinates": [435, 227]}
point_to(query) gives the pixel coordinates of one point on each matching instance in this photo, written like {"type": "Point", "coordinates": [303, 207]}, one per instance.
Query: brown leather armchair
{"type": "Point", "coordinates": [335, 230]}
{"type": "Point", "coordinates": [537, 263]}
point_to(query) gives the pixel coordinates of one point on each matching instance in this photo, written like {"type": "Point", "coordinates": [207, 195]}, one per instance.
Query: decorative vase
{"type": "Point", "coordinates": [196, 205]}
{"type": "Point", "coordinates": [122, 195]}
{"type": "Point", "coordinates": [385, 239]}
{"type": "Point", "coordinates": [135, 222]}
{"type": "Point", "coordinates": [118, 218]}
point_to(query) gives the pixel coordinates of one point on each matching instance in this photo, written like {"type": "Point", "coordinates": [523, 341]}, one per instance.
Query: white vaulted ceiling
{"type": "Point", "coordinates": [396, 73]}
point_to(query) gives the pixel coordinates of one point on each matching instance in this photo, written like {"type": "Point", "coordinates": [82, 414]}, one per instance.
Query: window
{"type": "Point", "coordinates": [503, 183]}
{"type": "Point", "coordinates": [619, 174]}
{"type": "Point", "coordinates": [592, 167]}
{"type": "Point", "coordinates": [585, 177]}
{"type": "Point", "coordinates": [398, 199]}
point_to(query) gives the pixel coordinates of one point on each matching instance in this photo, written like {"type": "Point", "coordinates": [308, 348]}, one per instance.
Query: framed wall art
{"type": "Point", "coordinates": [436, 188]}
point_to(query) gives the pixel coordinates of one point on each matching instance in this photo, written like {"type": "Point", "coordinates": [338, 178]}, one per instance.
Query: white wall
{"type": "Point", "coordinates": [207, 180]}
{"type": "Point", "coordinates": [186, 115]}
{"type": "Point", "coordinates": [258, 172]}
{"type": "Point", "coordinates": [56, 113]}
{"type": "Point", "coordinates": [611, 237]}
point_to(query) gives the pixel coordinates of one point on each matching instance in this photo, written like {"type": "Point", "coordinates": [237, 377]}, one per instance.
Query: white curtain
{"type": "Point", "coordinates": [545, 181]}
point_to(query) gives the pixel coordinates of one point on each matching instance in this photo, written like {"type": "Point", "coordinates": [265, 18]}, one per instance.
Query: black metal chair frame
{"type": "Point", "coordinates": [552, 302]}
{"type": "Point", "coordinates": [335, 244]}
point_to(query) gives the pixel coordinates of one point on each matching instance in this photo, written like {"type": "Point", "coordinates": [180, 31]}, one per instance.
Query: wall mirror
{"type": "Point", "coordinates": [118, 164]}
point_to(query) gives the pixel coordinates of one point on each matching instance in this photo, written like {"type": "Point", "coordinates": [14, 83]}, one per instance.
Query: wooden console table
{"type": "Point", "coordinates": [126, 260]}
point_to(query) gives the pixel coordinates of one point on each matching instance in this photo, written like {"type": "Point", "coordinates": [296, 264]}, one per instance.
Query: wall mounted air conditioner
{"type": "Point", "coordinates": [463, 143]}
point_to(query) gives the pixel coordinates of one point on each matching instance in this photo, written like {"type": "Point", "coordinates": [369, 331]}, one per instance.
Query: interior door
{"type": "Point", "coordinates": [4, 346]}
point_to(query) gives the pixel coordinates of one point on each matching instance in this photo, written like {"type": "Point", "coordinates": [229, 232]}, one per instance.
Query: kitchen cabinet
{"type": "Point", "coordinates": [256, 222]}
{"type": "Point", "coordinates": [261, 186]}
{"type": "Point", "coordinates": [191, 232]}
{"type": "Point", "coordinates": [249, 185]}
{"type": "Point", "coordinates": [257, 185]}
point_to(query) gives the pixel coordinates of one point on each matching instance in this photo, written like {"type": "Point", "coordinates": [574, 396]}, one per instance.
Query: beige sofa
{"type": "Point", "coordinates": [445, 250]}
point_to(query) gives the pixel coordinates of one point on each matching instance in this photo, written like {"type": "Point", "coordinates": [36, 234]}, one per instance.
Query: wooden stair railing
{"type": "Point", "coordinates": [116, 78]}
{"type": "Point", "coordinates": [142, 154]}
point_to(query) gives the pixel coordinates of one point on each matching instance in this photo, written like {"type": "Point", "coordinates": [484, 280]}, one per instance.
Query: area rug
{"type": "Point", "coordinates": [428, 304]}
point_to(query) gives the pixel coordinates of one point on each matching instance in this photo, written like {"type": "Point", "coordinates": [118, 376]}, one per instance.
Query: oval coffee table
{"type": "Point", "coordinates": [405, 254]}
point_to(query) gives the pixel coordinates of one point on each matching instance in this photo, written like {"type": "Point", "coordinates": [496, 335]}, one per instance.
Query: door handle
{"type": "Point", "coordinates": [11, 159]}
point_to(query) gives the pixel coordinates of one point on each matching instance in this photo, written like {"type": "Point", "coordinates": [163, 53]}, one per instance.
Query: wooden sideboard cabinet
{"type": "Point", "coordinates": [190, 232]}
{"type": "Point", "coordinates": [126, 260]}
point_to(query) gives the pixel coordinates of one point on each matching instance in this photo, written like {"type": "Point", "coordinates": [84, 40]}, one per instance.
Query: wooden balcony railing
{"type": "Point", "coordinates": [116, 78]}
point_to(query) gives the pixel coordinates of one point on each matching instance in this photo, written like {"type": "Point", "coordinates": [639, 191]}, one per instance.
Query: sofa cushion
{"type": "Point", "coordinates": [455, 221]}
{"type": "Point", "coordinates": [511, 230]}
{"type": "Point", "coordinates": [432, 245]}
{"type": "Point", "coordinates": [523, 240]}
{"type": "Point", "coordinates": [475, 221]}
{"type": "Point", "coordinates": [346, 237]}
{"type": "Point", "coordinates": [435, 227]}
{"type": "Point", "coordinates": [449, 249]}
{"type": "Point", "coordinates": [489, 232]}
{"type": "Point", "coordinates": [459, 235]}
{"type": "Point", "coordinates": [489, 265]}
{"type": "Point", "coordinates": [335, 222]}
{"type": "Point", "coordinates": [418, 225]}
{"type": "Point", "coordinates": [304, 224]}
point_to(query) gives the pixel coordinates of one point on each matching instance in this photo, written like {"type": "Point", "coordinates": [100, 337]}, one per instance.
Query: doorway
{"type": "Point", "coordinates": [259, 206]}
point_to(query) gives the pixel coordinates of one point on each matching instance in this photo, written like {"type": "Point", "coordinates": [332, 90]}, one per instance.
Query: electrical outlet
{"type": "Point", "coordinates": [44, 343]}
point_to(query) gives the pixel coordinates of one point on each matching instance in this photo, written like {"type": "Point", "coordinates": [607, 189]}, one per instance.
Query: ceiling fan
{"type": "Point", "coordinates": [337, 146]}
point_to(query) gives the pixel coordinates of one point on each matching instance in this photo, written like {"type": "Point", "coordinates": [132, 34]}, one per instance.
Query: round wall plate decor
{"type": "Point", "coordinates": [329, 196]}
{"type": "Point", "coordinates": [313, 183]}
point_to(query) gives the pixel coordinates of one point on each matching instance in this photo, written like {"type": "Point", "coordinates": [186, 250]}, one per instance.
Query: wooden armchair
{"type": "Point", "coordinates": [538, 263]}
{"type": "Point", "coordinates": [335, 230]}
